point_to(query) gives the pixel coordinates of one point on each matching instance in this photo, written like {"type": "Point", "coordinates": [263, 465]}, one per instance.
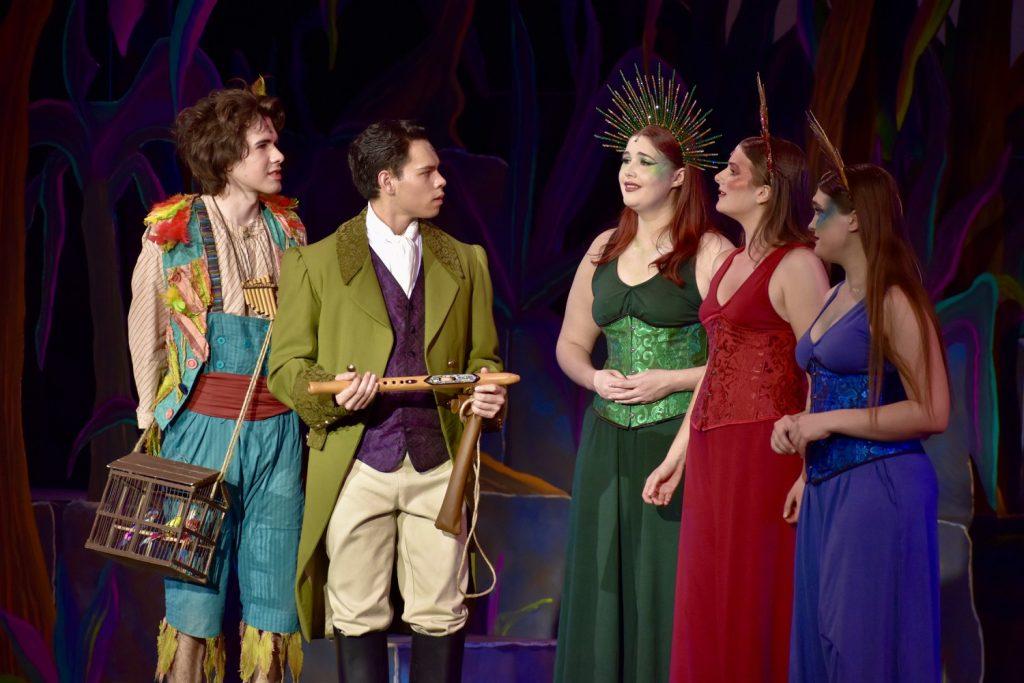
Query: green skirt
{"type": "Point", "coordinates": [616, 616]}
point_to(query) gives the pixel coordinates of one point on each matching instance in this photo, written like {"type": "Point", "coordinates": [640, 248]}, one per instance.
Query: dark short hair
{"type": "Point", "coordinates": [382, 146]}
{"type": "Point", "coordinates": [210, 135]}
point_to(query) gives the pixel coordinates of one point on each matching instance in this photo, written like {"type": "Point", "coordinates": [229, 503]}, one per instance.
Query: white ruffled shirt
{"type": "Point", "coordinates": [401, 254]}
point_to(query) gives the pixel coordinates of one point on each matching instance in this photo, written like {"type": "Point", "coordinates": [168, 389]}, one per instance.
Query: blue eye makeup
{"type": "Point", "coordinates": [822, 215]}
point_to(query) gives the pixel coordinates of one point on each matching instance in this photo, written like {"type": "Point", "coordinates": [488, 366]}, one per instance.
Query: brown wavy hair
{"type": "Point", "coordinates": [210, 135]}
{"type": "Point", "coordinates": [689, 221]}
{"type": "Point", "coordinates": [781, 223]}
{"type": "Point", "coordinates": [891, 264]}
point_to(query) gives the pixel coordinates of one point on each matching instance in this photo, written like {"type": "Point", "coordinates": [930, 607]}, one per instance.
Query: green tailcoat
{"type": "Point", "coordinates": [331, 313]}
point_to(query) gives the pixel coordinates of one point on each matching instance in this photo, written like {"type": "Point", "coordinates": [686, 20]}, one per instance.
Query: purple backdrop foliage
{"type": "Point", "coordinates": [123, 16]}
{"type": "Point", "coordinates": [533, 209]}
{"type": "Point", "coordinates": [82, 639]}
{"type": "Point", "coordinates": [530, 199]}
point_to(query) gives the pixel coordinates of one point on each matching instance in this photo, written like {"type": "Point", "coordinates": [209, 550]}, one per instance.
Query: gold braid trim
{"type": "Point", "coordinates": [442, 246]}
{"type": "Point", "coordinates": [352, 246]}
{"type": "Point", "coordinates": [317, 410]}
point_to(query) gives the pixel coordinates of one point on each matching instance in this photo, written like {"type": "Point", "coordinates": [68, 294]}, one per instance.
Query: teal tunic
{"type": "Point", "coordinates": [617, 602]}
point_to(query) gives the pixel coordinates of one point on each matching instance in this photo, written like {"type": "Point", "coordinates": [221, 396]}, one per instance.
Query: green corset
{"type": "Point", "coordinates": [634, 346]}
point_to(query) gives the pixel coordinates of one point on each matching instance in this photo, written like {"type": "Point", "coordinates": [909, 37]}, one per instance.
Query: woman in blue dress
{"type": "Point", "coordinates": [866, 598]}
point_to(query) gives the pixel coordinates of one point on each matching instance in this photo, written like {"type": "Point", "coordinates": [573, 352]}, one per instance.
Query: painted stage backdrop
{"type": "Point", "coordinates": [931, 89]}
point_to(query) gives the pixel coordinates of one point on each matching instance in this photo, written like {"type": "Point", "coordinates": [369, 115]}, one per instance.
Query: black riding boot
{"type": "Point", "coordinates": [437, 659]}
{"type": "Point", "coordinates": [362, 659]}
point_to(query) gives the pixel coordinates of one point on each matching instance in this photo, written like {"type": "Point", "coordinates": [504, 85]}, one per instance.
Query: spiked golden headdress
{"type": "Point", "coordinates": [829, 149]}
{"type": "Point", "coordinates": [654, 101]}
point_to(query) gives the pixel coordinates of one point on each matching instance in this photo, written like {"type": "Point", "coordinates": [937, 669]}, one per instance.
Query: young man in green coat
{"type": "Point", "coordinates": [388, 294]}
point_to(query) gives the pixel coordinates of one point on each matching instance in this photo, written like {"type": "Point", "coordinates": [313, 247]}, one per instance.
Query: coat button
{"type": "Point", "coordinates": [169, 413]}
{"type": "Point", "coordinates": [451, 364]}
{"type": "Point", "coordinates": [219, 364]}
{"type": "Point", "coordinates": [191, 364]}
{"type": "Point", "coordinates": [221, 340]}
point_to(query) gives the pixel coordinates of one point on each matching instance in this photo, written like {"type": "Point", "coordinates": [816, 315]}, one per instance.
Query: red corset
{"type": "Point", "coordinates": [752, 375]}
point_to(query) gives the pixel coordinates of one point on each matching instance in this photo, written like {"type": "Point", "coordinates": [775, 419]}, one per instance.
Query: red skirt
{"type": "Point", "coordinates": [734, 587]}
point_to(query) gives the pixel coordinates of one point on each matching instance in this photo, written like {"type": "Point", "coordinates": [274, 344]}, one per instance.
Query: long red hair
{"type": "Point", "coordinates": [891, 264]}
{"type": "Point", "coordinates": [689, 221]}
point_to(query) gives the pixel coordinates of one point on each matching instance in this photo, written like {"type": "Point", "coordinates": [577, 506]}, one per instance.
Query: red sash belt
{"type": "Point", "coordinates": [220, 394]}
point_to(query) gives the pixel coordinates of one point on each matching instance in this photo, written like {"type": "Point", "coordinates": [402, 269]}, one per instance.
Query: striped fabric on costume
{"type": "Point", "coordinates": [147, 317]}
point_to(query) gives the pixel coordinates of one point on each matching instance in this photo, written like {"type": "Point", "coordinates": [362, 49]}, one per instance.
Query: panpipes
{"type": "Point", "coordinates": [261, 296]}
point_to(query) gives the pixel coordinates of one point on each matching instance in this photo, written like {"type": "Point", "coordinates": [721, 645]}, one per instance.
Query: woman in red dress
{"type": "Point", "coordinates": [735, 578]}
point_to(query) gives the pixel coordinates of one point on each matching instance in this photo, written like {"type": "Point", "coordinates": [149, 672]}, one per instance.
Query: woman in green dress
{"type": "Point", "coordinates": [641, 285]}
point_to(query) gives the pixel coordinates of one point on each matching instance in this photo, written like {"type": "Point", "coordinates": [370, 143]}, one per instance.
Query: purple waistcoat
{"type": "Point", "coordinates": [402, 422]}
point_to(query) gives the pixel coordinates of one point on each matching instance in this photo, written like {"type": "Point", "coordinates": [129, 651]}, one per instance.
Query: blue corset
{"type": "Point", "coordinates": [837, 391]}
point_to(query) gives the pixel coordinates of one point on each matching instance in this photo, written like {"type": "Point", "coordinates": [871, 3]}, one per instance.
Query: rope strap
{"type": "Point", "coordinates": [471, 535]}
{"type": "Point", "coordinates": [137, 448]}
{"type": "Point", "coordinates": [245, 406]}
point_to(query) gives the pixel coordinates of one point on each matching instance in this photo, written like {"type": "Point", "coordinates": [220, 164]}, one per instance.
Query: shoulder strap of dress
{"type": "Point", "coordinates": [773, 259]}
{"type": "Point", "coordinates": [720, 273]}
{"type": "Point", "coordinates": [767, 267]}
{"type": "Point", "coordinates": [763, 273]}
{"type": "Point", "coordinates": [831, 298]}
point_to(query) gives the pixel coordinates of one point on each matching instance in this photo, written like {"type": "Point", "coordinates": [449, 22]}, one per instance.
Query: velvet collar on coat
{"type": "Point", "coordinates": [354, 248]}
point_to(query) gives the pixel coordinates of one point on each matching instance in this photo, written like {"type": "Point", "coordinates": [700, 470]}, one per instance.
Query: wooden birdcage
{"type": "Point", "coordinates": [166, 515]}
{"type": "Point", "coordinates": [161, 515]}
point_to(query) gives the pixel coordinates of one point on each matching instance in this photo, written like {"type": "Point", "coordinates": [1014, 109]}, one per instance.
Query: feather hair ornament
{"type": "Point", "coordinates": [655, 101]}
{"type": "Point", "coordinates": [829, 149]}
{"type": "Point", "coordinates": [765, 132]}
{"type": "Point", "coordinates": [259, 87]}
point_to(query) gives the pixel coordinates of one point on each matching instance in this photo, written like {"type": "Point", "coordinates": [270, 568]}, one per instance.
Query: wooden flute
{"type": "Point", "coordinates": [449, 517]}
{"type": "Point", "coordinates": [465, 380]}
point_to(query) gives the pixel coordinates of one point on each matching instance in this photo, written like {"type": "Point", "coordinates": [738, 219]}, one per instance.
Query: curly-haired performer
{"type": "Point", "coordinates": [194, 345]}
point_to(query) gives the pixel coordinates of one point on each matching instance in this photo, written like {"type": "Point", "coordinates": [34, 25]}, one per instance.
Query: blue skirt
{"type": "Point", "coordinates": [866, 594]}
